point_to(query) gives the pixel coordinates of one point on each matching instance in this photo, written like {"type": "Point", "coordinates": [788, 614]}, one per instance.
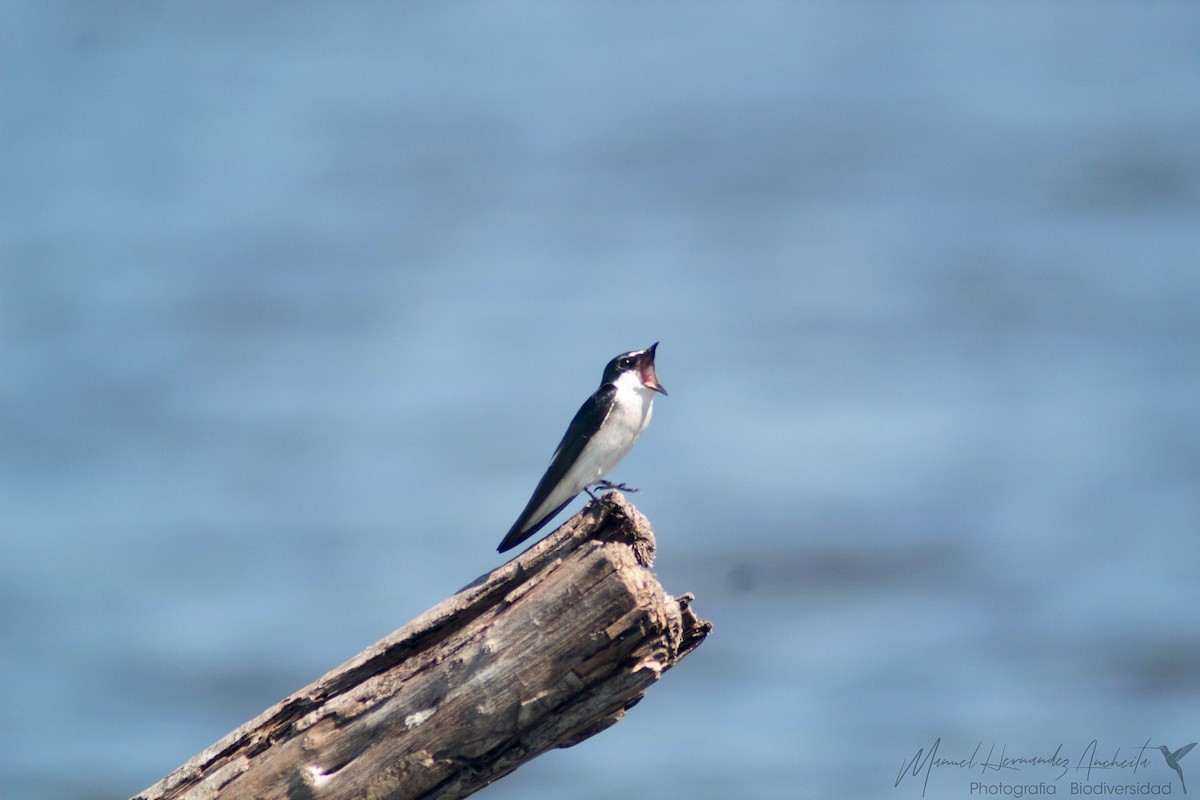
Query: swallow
{"type": "Point", "coordinates": [602, 432]}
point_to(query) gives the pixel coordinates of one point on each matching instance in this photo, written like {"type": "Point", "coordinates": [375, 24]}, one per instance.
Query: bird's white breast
{"type": "Point", "coordinates": [630, 414]}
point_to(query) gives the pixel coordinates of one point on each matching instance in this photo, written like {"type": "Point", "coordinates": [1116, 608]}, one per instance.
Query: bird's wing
{"type": "Point", "coordinates": [1183, 751]}
{"type": "Point", "coordinates": [552, 493]}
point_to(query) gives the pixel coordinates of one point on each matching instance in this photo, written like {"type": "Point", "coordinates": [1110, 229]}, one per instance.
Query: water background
{"type": "Point", "coordinates": [297, 298]}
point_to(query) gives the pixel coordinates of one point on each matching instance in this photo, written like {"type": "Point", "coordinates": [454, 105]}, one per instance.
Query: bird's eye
{"type": "Point", "coordinates": [626, 362]}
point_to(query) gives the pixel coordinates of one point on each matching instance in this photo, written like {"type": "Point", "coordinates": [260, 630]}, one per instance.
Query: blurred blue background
{"type": "Point", "coordinates": [297, 299]}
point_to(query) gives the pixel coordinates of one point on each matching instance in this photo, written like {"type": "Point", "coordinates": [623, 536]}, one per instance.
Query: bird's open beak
{"type": "Point", "coordinates": [646, 368]}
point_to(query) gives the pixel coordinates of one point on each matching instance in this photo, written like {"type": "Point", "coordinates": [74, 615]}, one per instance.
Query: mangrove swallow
{"type": "Point", "coordinates": [604, 429]}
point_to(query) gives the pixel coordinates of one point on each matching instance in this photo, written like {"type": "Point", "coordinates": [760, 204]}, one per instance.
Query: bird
{"type": "Point", "coordinates": [602, 432]}
{"type": "Point", "coordinates": [1173, 760]}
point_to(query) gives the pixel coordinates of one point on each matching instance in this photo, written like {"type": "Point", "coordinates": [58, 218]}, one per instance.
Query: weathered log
{"type": "Point", "coordinates": [543, 652]}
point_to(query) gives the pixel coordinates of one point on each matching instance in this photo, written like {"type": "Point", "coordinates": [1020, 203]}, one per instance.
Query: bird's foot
{"type": "Point", "coordinates": [609, 486]}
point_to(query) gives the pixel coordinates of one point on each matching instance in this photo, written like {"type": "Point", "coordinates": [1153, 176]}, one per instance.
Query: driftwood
{"type": "Point", "coordinates": [544, 652]}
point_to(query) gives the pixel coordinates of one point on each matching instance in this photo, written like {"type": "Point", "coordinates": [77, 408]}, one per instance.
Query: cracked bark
{"type": "Point", "coordinates": [543, 652]}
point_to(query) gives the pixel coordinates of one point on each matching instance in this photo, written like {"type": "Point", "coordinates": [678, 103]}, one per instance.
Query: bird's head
{"type": "Point", "coordinates": [638, 363]}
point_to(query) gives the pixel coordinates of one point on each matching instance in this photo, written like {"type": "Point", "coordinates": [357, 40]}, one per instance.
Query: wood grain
{"type": "Point", "coordinates": [543, 652]}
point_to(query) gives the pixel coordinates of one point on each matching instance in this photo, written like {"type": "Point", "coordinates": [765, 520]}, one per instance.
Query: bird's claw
{"type": "Point", "coordinates": [609, 486]}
